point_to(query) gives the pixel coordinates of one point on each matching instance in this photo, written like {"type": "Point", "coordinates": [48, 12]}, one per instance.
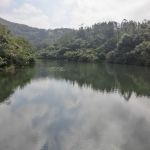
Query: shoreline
{"type": "Point", "coordinates": [102, 62]}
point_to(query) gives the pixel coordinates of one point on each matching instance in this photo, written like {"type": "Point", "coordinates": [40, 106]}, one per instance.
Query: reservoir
{"type": "Point", "coordinates": [58, 105]}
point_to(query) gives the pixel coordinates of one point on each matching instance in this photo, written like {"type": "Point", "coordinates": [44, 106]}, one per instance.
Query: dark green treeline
{"type": "Point", "coordinates": [124, 43]}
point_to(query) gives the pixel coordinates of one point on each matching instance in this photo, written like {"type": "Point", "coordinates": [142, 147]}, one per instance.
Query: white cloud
{"type": "Point", "coordinates": [59, 15]}
{"type": "Point", "coordinates": [29, 15]}
{"type": "Point", "coordinates": [90, 12]}
{"type": "Point", "coordinates": [5, 3]}
{"type": "Point", "coordinates": [37, 0]}
{"type": "Point", "coordinates": [40, 21]}
{"type": "Point", "coordinates": [27, 9]}
{"type": "Point", "coordinates": [72, 13]}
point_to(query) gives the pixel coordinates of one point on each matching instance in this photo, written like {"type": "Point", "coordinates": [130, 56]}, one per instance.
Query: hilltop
{"type": "Point", "coordinates": [35, 35]}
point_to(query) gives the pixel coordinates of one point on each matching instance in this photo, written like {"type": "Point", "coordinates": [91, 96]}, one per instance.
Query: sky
{"type": "Point", "coordinates": [51, 14]}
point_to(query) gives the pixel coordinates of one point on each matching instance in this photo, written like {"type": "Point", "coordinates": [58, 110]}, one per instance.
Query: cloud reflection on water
{"type": "Point", "coordinates": [64, 116]}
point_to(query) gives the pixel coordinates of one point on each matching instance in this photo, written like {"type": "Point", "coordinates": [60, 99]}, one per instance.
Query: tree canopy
{"type": "Point", "coordinates": [14, 51]}
{"type": "Point", "coordinates": [125, 43]}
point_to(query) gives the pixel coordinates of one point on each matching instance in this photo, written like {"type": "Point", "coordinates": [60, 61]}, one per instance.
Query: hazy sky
{"type": "Point", "coordinates": [72, 13]}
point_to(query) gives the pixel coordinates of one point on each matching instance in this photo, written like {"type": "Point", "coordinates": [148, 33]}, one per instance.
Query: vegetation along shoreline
{"type": "Point", "coordinates": [127, 43]}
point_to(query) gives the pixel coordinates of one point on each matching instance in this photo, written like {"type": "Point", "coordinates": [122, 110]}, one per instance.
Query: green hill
{"type": "Point", "coordinates": [127, 42]}
{"type": "Point", "coordinates": [35, 35]}
{"type": "Point", "coordinates": [15, 52]}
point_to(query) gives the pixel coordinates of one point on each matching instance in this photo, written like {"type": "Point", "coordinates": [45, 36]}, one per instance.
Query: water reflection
{"type": "Point", "coordinates": [101, 77]}
{"type": "Point", "coordinates": [10, 81]}
{"type": "Point", "coordinates": [63, 110]}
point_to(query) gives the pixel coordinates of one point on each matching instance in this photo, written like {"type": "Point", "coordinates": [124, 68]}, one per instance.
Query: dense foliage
{"type": "Point", "coordinates": [125, 43]}
{"type": "Point", "coordinates": [35, 35]}
{"type": "Point", "coordinates": [14, 51]}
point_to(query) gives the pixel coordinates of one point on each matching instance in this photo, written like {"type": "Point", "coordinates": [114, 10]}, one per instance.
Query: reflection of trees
{"type": "Point", "coordinates": [11, 80]}
{"type": "Point", "coordinates": [100, 77]}
{"type": "Point", "coordinates": [104, 77]}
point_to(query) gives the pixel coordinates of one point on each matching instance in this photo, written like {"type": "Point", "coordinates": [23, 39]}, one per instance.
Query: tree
{"type": "Point", "coordinates": [14, 52]}
{"type": "Point", "coordinates": [126, 44]}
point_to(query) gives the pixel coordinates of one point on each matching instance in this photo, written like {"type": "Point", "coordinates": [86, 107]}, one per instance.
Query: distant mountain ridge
{"type": "Point", "coordinates": [35, 35]}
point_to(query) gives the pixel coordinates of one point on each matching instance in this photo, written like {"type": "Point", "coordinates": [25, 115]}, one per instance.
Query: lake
{"type": "Point", "coordinates": [58, 105]}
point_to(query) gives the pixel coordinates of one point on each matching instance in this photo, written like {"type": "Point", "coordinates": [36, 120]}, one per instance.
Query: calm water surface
{"type": "Point", "coordinates": [57, 105]}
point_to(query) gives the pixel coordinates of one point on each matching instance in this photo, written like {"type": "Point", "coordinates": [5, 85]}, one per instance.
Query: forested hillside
{"type": "Point", "coordinates": [127, 42]}
{"type": "Point", "coordinates": [14, 51]}
{"type": "Point", "coordinates": [35, 35]}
